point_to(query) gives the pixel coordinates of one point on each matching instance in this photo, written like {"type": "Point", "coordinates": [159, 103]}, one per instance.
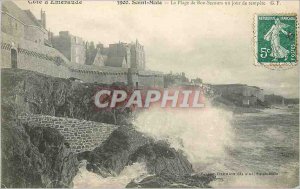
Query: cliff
{"type": "Point", "coordinates": [40, 156]}
{"type": "Point", "coordinates": [35, 157]}
{"type": "Point", "coordinates": [280, 100]}
{"type": "Point", "coordinates": [35, 93]}
{"type": "Point", "coordinates": [228, 105]}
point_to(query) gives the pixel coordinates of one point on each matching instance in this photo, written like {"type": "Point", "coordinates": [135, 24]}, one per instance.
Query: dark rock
{"type": "Point", "coordinates": [113, 155]}
{"type": "Point", "coordinates": [35, 157]}
{"type": "Point", "coordinates": [40, 94]}
{"type": "Point", "coordinates": [160, 158]}
{"type": "Point", "coordinates": [127, 146]}
{"type": "Point", "coordinates": [40, 157]}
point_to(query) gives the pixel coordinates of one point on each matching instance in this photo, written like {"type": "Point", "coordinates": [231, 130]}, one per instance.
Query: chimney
{"type": "Point", "coordinates": [43, 18]}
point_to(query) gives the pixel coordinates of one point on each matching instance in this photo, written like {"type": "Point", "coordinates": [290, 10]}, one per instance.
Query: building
{"type": "Point", "coordinates": [26, 44]}
{"type": "Point", "coordinates": [21, 24]}
{"type": "Point", "coordinates": [137, 56]}
{"type": "Point", "coordinates": [122, 55]}
{"type": "Point", "coordinates": [72, 47]}
{"type": "Point", "coordinates": [240, 94]}
{"type": "Point", "coordinates": [118, 55]}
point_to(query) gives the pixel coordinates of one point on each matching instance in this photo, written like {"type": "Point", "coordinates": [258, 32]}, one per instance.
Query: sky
{"type": "Point", "coordinates": [214, 43]}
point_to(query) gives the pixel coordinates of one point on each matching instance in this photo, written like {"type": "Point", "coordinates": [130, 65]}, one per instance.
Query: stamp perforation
{"type": "Point", "coordinates": [275, 65]}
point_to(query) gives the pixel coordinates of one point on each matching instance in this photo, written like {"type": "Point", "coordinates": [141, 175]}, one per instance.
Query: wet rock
{"type": "Point", "coordinates": [169, 167]}
{"type": "Point", "coordinates": [40, 157]}
{"type": "Point", "coordinates": [114, 154]}
{"type": "Point", "coordinates": [35, 157]}
{"type": "Point", "coordinates": [160, 158]}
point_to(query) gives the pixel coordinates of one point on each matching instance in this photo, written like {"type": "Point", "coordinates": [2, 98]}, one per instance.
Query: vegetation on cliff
{"type": "Point", "coordinates": [40, 156]}
{"type": "Point", "coordinates": [40, 94]}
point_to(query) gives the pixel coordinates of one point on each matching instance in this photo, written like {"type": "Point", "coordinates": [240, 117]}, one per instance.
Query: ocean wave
{"type": "Point", "coordinates": [86, 179]}
{"type": "Point", "coordinates": [201, 134]}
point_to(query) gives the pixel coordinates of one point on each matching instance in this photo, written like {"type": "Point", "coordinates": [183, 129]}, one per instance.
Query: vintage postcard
{"type": "Point", "coordinates": [149, 94]}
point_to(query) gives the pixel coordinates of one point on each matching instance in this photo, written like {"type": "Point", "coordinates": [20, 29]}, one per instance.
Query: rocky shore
{"type": "Point", "coordinates": [225, 104]}
{"type": "Point", "coordinates": [35, 157]}
{"type": "Point", "coordinates": [41, 157]}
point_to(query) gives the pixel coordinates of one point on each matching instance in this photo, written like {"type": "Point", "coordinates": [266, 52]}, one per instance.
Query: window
{"type": "Point", "coordinates": [14, 58]}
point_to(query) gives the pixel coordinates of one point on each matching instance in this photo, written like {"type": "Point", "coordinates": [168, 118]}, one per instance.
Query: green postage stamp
{"type": "Point", "coordinates": [276, 40]}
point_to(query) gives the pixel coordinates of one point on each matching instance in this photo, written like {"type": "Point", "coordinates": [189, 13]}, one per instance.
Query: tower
{"type": "Point", "coordinates": [43, 18]}
{"type": "Point", "coordinates": [128, 55]}
{"type": "Point", "coordinates": [137, 56]}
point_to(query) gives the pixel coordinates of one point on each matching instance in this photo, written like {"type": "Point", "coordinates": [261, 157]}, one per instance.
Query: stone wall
{"type": "Point", "coordinates": [28, 41]}
{"type": "Point", "coordinates": [81, 135]}
{"type": "Point", "coordinates": [33, 56]}
{"type": "Point", "coordinates": [99, 76]}
{"type": "Point", "coordinates": [47, 60]}
{"type": "Point", "coordinates": [35, 34]}
{"type": "Point", "coordinates": [12, 26]}
{"type": "Point", "coordinates": [150, 79]}
{"type": "Point", "coordinates": [15, 27]}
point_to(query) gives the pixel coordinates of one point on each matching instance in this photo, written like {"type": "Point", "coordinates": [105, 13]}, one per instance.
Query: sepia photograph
{"type": "Point", "coordinates": [149, 94]}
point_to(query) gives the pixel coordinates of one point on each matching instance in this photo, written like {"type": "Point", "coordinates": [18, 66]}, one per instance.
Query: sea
{"type": "Point", "coordinates": [257, 150]}
{"type": "Point", "coordinates": [265, 150]}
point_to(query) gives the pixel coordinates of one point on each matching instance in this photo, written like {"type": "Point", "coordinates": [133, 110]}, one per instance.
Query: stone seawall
{"type": "Point", "coordinates": [81, 135]}
{"type": "Point", "coordinates": [33, 56]}
{"type": "Point", "coordinates": [28, 55]}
